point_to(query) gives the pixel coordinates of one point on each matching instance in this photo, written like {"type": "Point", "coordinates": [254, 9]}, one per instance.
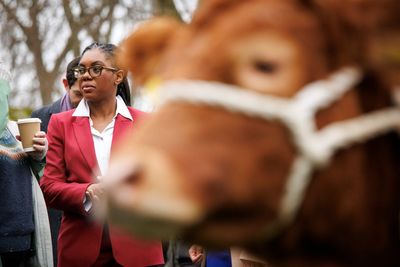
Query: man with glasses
{"type": "Point", "coordinates": [69, 100]}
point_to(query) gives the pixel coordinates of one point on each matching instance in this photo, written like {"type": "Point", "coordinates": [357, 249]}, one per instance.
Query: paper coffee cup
{"type": "Point", "coordinates": [27, 129]}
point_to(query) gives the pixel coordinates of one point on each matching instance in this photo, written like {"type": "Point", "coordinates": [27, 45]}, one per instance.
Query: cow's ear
{"type": "Point", "coordinates": [140, 52]}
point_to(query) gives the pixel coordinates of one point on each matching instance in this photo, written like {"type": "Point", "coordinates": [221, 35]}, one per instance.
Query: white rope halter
{"type": "Point", "coordinates": [316, 147]}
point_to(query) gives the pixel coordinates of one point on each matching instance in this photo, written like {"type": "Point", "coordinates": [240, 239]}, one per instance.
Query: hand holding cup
{"type": "Point", "coordinates": [33, 140]}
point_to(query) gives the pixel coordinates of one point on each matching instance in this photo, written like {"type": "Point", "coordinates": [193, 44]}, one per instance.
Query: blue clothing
{"type": "Point", "coordinates": [16, 207]}
{"type": "Point", "coordinates": [218, 258]}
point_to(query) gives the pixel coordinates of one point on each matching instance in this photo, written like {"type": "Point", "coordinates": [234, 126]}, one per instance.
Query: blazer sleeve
{"type": "Point", "coordinates": [58, 192]}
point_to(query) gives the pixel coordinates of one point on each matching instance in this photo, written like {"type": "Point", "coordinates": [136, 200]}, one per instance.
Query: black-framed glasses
{"type": "Point", "coordinates": [94, 71]}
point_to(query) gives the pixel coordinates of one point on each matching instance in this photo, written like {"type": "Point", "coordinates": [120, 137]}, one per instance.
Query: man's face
{"type": "Point", "coordinates": [75, 94]}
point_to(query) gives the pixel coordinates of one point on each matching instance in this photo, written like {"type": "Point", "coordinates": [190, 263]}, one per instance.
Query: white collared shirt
{"type": "Point", "coordinates": [102, 140]}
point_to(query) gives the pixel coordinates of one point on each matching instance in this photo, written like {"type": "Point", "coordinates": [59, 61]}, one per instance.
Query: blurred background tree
{"type": "Point", "coordinates": [39, 37]}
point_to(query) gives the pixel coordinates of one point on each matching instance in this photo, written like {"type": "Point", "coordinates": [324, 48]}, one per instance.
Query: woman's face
{"type": "Point", "coordinates": [102, 87]}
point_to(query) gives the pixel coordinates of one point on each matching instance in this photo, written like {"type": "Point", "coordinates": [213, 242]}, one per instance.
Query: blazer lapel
{"type": "Point", "coordinates": [121, 127]}
{"type": "Point", "coordinates": [84, 140]}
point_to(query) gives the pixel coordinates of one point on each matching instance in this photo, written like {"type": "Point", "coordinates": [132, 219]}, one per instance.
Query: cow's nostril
{"type": "Point", "coordinates": [134, 176]}
{"type": "Point", "coordinates": [123, 173]}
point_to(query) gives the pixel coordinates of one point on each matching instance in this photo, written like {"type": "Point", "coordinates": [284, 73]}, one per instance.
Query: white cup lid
{"type": "Point", "coordinates": [28, 120]}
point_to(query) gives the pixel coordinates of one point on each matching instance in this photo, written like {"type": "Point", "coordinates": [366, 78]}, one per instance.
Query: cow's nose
{"type": "Point", "coordinates": [122, 183]}
{"type": "Point", "coordinates": [147, 194]}
{"type": "Point", "coordinates": [123, 173]}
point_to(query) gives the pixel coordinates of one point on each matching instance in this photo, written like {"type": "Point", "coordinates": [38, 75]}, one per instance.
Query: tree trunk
{"type": "Point", "coordinates": [47, 82]}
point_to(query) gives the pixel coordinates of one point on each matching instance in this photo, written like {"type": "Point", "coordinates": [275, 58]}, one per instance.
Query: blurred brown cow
{"type": "Point", "coordinates": [275, 131]}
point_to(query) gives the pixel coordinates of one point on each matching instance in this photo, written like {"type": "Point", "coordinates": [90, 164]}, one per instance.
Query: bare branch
{"type": "Point", "coordinates": [82, 5]}
{"type": "Point", "coordinates": [108, 18]}
{"type": "Point", "coordinates": [24, 42]}
{"type": "Point", "coordinates": [68, 14]}
{"type": "Point", "coordinates": [12, 14]}
{"type": "Point", "coordinates": [68, 46]}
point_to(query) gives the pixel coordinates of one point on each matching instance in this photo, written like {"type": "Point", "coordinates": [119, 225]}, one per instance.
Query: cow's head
{"type": "Point", "coordinates": [218, 174]}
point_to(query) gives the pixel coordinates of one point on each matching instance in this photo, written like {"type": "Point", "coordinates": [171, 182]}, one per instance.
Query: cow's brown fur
{"type": "Point", "coordinates": [235, 166]}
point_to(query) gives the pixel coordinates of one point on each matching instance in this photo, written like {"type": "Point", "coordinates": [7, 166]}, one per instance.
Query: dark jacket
{"type": "Point", "coordinates": [16, 209]}
{"type": "Point", "coordinates": [45, 113]}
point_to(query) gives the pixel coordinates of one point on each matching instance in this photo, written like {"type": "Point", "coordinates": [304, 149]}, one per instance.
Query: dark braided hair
{"type": "Point", "coordinates": [123, 89]}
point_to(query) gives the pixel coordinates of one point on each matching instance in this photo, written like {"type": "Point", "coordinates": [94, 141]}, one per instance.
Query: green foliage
{"type": "Point", "coordinates": [19, 113]}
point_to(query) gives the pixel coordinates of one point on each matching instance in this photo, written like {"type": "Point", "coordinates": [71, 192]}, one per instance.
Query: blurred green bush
{"type": "Point", "coordinates": [19, 113]}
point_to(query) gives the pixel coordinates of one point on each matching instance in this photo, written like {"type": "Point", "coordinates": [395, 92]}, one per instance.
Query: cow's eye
{"type": "Point", "coordinates": [265, 67]}
{"type": "Point", "coordinates": [269, 62]}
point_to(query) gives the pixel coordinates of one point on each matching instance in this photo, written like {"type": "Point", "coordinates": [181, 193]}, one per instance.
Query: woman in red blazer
{"type": "Point", "coordinates": [80, 141]}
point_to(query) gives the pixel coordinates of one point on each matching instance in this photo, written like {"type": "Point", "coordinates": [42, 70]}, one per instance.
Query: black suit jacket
{"type": "Point", "coordinates": [45, 113]}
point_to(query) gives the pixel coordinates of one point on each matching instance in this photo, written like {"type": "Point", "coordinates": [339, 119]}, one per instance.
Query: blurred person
{"type": "Point", "coordinates": [177, 254]}
{"type": "Point", "coordinates": [24, 228]}
{"type": "Point", "coordinates": [197, 254]}
{"type": "Point", "coordinates": [80, 141]}
{"type": "Point", "coordinates": [68, 101]}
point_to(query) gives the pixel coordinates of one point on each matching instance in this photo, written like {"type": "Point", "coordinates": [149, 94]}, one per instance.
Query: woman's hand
{"type": "Point", "coordinates": [40, 146]}
{"type": "Point", "coordinates": [95, 192]}
{"type": "Point", "coordinates": [196, 253]}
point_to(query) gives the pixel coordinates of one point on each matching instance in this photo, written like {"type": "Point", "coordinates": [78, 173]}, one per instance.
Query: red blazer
{"type": "Point", "coordinates": [70, 162]}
